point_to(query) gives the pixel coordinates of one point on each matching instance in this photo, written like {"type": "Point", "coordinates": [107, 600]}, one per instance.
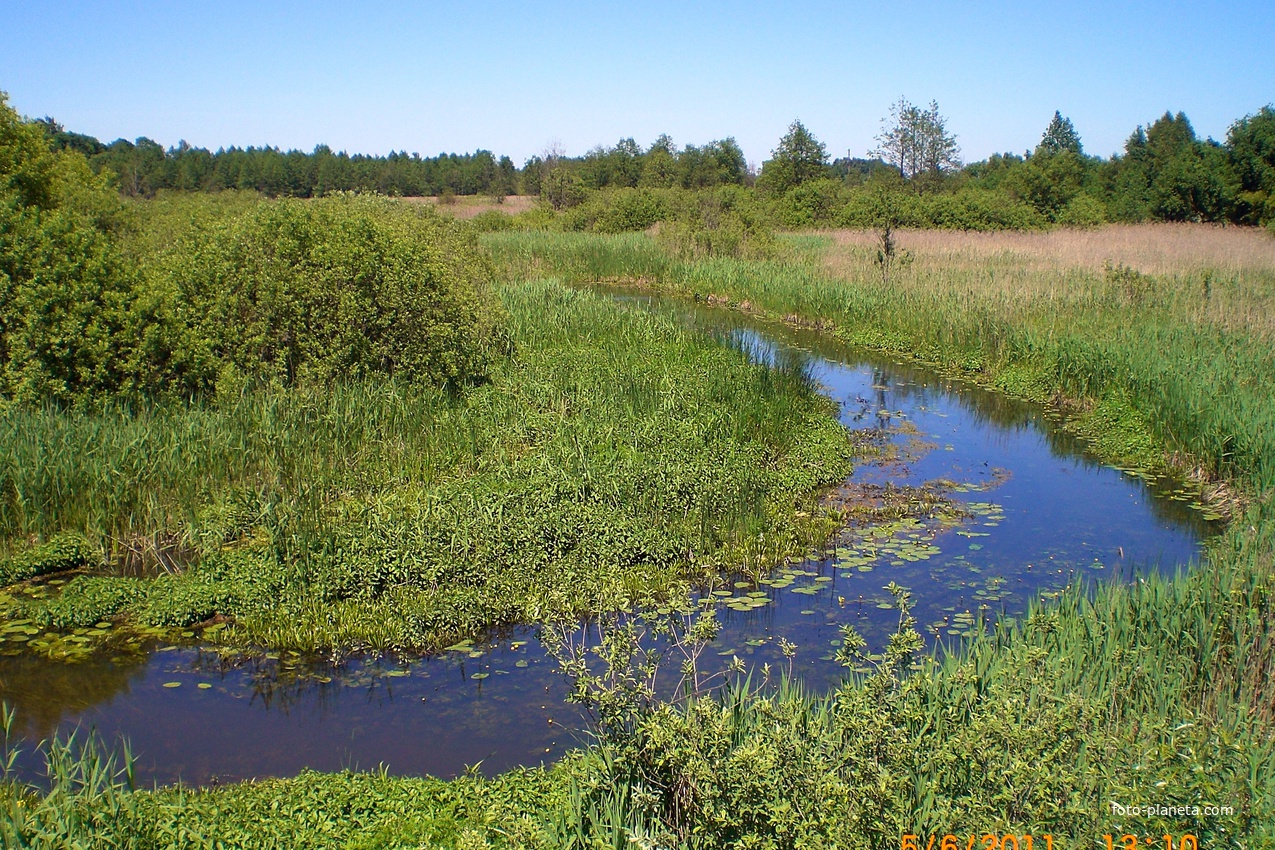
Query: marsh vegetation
{"type": "Point", "coordinates": [353, 424]}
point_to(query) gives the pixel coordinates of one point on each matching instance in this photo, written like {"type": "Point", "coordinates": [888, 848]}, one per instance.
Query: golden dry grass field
{"type": "Point", "coordinates": [1221, 275]}
{"type": "Point", "coordinates": [467, 206]}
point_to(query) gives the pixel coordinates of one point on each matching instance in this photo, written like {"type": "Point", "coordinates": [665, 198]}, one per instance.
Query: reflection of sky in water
{"type": "Point", "coordinates": [1063, 514]}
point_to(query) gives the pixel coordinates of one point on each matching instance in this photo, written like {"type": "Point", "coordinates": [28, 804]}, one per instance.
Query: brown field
{"type": "Point", "coordinates": [1069, 267]}
{"type": "Point", "coordinates": [468, 206]}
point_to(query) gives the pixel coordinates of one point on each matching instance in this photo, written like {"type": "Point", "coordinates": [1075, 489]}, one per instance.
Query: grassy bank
{"type": "Point", "coordinates": [1161, 331]}
{"type": "Point", "coordinates": [1154, 693]}
{"type": "Point", "coordinates": [612, 456]}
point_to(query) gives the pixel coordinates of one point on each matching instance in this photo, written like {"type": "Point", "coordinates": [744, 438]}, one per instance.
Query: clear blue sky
{"type": "Point", "coordinates": [512, 77]}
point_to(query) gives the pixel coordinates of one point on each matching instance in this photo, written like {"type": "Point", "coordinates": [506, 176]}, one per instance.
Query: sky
{"type": "Point", "coordinates": [514, 78]}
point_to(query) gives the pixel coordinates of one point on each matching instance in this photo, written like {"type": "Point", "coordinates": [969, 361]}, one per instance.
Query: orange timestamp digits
{"type": "Point", "coordinates": [1131, 842]}
{"type": "Point", "coordinates": [987, 841]}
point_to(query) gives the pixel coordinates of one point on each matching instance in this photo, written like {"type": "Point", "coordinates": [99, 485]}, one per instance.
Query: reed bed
{"type": "Point", "coordinates": [1136, 344]}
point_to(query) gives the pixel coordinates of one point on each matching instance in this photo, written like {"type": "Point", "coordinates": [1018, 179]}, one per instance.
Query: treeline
{"type": "Point", "coordinates": [144, 167]}
{"type": "Point", "coordinates": [1165, 173]}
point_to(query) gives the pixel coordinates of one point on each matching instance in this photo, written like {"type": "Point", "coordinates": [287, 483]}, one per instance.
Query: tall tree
{"type": "Point", "coordinates": [1170, 175]}
{"type": "Point", "coordinates": [800, 157]}
{"type": "Point", "coordinates": [916, 141]}
{"type": "Point", "coordinates": [1251, 144]}
{"type": "Point", "coordinates": [1060, 136]}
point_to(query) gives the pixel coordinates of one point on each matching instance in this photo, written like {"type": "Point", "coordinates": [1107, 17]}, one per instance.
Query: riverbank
{"type": "Point", "coordinates": [1157, 691]}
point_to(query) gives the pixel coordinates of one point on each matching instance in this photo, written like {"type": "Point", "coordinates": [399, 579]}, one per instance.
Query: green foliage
{"type": "Point", "coordinates": [726, 223]}
{"type": "Point", "coordinates": [626, 166]}
{"type": "Point", "coordinates": [1169, 175]}
{"type": "Point", "coordinates": [812, 204]}
{"type": "Point", "coordinates": [916, 141]}
{"type": "Point", "coordinates": [65, 551]}
{"type": "Point", "coordinates": [71, 318]}
{"type": "Point", "coordinates": [799, 158]}
{"type": "Point", "coordinates": [1049, 181]}
{"type": "Point", "coordinates": [1251, 146]}
{"type": "Point", "coordinates": [85, 600]}
{"type": "Point", "coordinates": [1165, 174]}
{"type": "Point", "coordinates": [1082, 211]}
{"type": "Point", "coordinates": [967, 208]}
{"type": "Point", "coordinates": [1158, 690]}
{"type": "Point", "coordinates": [620, 211]}
{"type": "Point", "coordinates": [1039, 727]}
{"type": "Point", "coordinates": [97, 305]}
{"type": "Point", "coordinates": [339, 288]}
{"type": "Point", "coordinates": [616, 455]}
{"type": "Point", "coordinates": [1060, 136]}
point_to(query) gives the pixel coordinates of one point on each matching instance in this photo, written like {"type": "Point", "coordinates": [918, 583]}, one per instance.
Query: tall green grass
{"type": "Point", "coordinates": [613, 455]}
{"type": "Point", "coordinates": [1194, 385]}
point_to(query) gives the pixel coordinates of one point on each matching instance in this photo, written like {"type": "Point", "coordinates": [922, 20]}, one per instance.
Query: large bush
{"type": "Point", "coordinates": [70, 313]}
{"type": "Point", "coordinates": [100, 300]}
{"type": "Point", "coordinates": [342, 287]}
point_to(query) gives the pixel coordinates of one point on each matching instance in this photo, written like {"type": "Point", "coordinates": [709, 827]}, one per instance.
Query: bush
{"type": "Point", "coordinates": [71, 316]}
{"type": "Point", "coordinates": [1083, 211]}
{"type": "Point", "coordinates": [724, 222]}
{"type": "Point", "coordinates": [343, 287]}
{"type": "Point", "coordinates": [812, 203]}
{"type": "Point", "coordinates": [491, 221]}
{"type": "Point", "coordinates": [968, 208]}
{"type": "Point", "coordinates": [65, 551]}
{"type": "Point", "coordinates": [93, 306]}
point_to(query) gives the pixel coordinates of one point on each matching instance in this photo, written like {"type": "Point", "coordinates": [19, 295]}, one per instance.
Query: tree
{"type": "Point", "coordinates": [506, 179]}
{"type": "Point", "coordinates": [916, 141]}
{"type": "Point", "coordinates": [659, 170]}
{"type": "Point", "coordinates": [1169, 175]}
{"type": "Point", "coordinates": [800, 157]}
{"type": "Point", "coordinates": [1060, 136]}
{"type": "Point", "coordinates": [1251, 143]}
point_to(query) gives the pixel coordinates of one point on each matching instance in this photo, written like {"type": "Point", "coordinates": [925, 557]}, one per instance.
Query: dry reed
{"type": "Point", "coordinates": [1223, 276]}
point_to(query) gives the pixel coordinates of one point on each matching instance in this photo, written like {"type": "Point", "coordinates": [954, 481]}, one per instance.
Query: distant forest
{"type": "Point", "coordinates": [1165, 173]}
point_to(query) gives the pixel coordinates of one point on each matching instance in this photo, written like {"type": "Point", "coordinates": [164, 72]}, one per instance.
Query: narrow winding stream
{"type": "Point", "coordinates": [1026, 511]}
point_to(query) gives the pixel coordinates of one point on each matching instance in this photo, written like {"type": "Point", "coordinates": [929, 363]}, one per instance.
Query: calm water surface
{"type": "Point", "coordinates": [1029, 512]}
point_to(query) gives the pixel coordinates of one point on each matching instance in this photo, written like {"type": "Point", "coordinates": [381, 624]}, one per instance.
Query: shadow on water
{"type": "Point", "coordinates": [1011, 508]}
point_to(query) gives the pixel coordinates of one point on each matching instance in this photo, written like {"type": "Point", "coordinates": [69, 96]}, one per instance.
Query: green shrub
{"type": "Point", "coordinates": [65, 551]}
{"type": "Point", "coordinates": [96, 302]}
{"type": "Point", "coordinates": [813, 203]}
{"type": "Point", "coordinates": [344, 287]}
{"type": "Point", "coordinates": [1083, 211]}
{"type": "Point", "coordinates": [491, 221]}
{"type": "Point", "coordinates": [724, 222]}
{"type": "Point", "coordinates": [73, 322]}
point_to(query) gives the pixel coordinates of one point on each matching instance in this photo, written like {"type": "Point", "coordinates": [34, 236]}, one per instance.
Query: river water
{"type": "Point", "coordinates": [1011, 507]}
